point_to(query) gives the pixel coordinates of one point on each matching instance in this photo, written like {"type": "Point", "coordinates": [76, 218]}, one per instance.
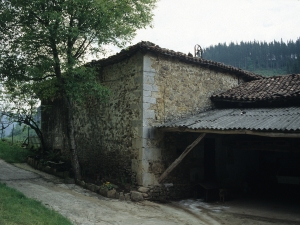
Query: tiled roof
{"type": "Point", "coordinates": [151, 47]}
{"type": "Point", "coordinates": [268, 89]}
{"type": "Point", "coordinates": [253, 119]}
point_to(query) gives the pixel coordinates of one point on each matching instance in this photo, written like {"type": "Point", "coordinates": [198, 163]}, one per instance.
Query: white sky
{"type": "Point", "coordinates": [180, 24]}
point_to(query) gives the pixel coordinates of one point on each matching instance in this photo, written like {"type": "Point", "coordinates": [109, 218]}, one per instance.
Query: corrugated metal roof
{"type": "Point", "coordinates": [254, 119]}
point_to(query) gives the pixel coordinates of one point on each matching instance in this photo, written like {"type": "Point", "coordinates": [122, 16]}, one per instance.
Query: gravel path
{"type": "Point", "coordinates": [82, 206]}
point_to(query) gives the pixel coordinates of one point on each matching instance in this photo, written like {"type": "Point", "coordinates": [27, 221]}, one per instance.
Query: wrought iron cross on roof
{"type": "Point", "coordinates": [198, 51]}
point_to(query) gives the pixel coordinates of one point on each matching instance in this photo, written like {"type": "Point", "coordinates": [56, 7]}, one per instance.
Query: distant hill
{"type": "Point", "coordinates": [268, 59]}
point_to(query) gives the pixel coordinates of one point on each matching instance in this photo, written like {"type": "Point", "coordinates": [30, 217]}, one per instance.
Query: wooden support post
{"type": "Point", "coordinates": [179, 159]}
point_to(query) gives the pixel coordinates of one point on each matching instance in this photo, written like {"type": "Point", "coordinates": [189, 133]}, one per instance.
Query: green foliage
{"type": "Point", "coordinates": [13, 153]}
{"type": "Point", "coordinates": [268, 59]}
{"type": "Point", "coordinates": [45, 43]}
{"type": "Point", "coordinates": [17, 209]}
{"type": "Point", "coordinates": [44, 46]}
{"type": "Point", "coordinates": [107, 185]}
{"type": "Point", "coordinates": [82, 80]}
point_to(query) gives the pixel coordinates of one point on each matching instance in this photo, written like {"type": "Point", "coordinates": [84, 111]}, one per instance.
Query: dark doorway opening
{"type": "Point", "coordinates": [209, 185]}
{"type": "Point", "coordinates": [265, 168]}
{"type": "Point", "coordinates": [209, 159]}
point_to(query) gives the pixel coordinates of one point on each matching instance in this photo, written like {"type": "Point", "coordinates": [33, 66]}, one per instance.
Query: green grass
{"type": "Point", "coordinates": [12, 153]}
{"type": "Point", "coordinates": [16, 138]}
{"type": "Point", "coordinates": [16, 209]}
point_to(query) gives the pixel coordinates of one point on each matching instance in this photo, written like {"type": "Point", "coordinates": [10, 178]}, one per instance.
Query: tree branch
{"type": "Point", "coordinates": [80, 47]}
{"type": "Point", "coordinates": [80, 52]}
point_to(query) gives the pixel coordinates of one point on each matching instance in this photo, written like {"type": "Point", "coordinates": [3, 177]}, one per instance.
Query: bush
{"type": "Point", "coordinates": [13, 153]}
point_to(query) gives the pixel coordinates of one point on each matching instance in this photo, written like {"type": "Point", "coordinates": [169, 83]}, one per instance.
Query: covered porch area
{"type": "Point", "coordinates": [245, 153]}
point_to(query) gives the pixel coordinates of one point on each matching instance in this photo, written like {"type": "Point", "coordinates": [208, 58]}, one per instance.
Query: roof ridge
{"type": "Point", "coordinates": [151, 47]}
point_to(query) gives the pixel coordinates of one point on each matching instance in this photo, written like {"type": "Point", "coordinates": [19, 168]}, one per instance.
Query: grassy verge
{"type": "Point", "coordinates": [17, 209]}
{"type": "Point", "coordinates": [12, 153]}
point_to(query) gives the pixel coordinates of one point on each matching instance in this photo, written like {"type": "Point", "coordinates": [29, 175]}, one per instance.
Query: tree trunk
{"type": "Point", "coordinates": [32, 124]}
{"type": "Point", "coordinates": [68, 107]}
{"type": "Point", "coordinates": [179, 159]}
{"type": "Point", "coordinates": [71, 138]}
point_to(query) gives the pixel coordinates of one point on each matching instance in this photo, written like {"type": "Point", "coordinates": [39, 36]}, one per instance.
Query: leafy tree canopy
{"type": "Point", "coordinates": [49, 40]}
{"type": "Point", "coordinates": [44, 44]}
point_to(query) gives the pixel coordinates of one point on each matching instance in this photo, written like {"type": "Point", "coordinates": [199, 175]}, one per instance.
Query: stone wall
{"type": "Point", "coordinates": [116, 138]}
{"type": "Point", "coordinates": [108, 134]}
{"type": "Point", "coordinates": [53, 125]}
{"type": "Point", "coordinates": [109, 141]}
{"type": "Point", "coordinates": [179, 89]}
{"type": "Point", "coordinates": [182, 181]}
{"type": "Point", "coordinates": [172, 90]}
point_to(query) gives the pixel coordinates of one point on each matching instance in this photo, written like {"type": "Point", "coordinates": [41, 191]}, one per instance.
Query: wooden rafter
{"type": "Point", "coordinates": [180, 158]}
{"type": "Point", "coordinates": [249, 132]}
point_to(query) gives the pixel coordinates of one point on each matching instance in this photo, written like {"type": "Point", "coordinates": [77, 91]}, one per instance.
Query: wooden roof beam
{"type": "Point", "coordinates": [180, 158]}
{"type": "Point", "coordinates": [248, 132]}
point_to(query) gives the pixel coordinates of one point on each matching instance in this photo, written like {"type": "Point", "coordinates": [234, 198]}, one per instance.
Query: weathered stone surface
{"type": "Point", "coordinates": [179, 89]}
{"type": "Point", "coordinates": [94, 187]}
{"type": "Point", "coordinates": [58, 174]}
{"type": "Point", "coordinates": [183, 88]}
{"type": "Point", "coordinates": [115, 137]}
{"type": "Point", "coordinates": [103, 191]}
{"type": "Point", "coordinates": [105, 131]}
{"type": "Point", "coordinates": [127, 196]}
{"type": "Point", "coordinates": [89, 186]}
{"type": "Point", "coordinates": [147, 178]}
{"type": "Point", "coordinates": [136, 196]}
{"type": "Point", "coordinates": [111, 193]}
{"type": "Point", "coordinates": [39, 166]}
{"type": "Point", "coordinates": [69, 180]}
{"type": "Point", "coordinates": [121, 196]}
{"type": "Point", "coordinates": [149, 100]}
{"type": "Point", "coordinates": [82, 183]}
{"type": "Point", "coordinates": [66, 174]}
{"type": "Point", "coordinates": [143, 189]}
{"type": "Point", "coordinates": [48, 169]}
{"type": "Point", "coordinates": [145, 195]}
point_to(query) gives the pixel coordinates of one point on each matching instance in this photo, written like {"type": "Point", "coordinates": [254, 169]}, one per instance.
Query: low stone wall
{"type": "Point", "coordinates": [112, 193]}
{"type": "Point", "coordinates": [166, 192]}
{"type": "Point", "coordinates": [52, 170]}
{"type": "Point", "coordinates": [162, 193]}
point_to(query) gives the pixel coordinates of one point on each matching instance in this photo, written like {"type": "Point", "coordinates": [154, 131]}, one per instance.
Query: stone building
{"type": "Point", "coordinates": [150, 86]}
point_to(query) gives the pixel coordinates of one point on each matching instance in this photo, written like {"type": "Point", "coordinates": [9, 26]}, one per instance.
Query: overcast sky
{"type": "Point", "coordinates": [180, 24]}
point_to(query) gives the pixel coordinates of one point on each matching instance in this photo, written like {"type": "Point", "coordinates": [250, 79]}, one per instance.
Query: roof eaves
{"type": "Point", "coordinates": [151, 47]}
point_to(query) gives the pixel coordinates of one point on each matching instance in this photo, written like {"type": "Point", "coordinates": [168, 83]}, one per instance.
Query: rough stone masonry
{"type": "Point", "coordinates": [117, 138]}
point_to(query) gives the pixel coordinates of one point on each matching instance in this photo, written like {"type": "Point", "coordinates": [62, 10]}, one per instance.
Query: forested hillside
{"type": "Point", "coordinates": [268, 59]}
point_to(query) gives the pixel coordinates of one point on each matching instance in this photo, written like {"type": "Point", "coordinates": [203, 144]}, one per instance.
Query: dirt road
{"type": "Point", "coordinates": [84, 207]}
